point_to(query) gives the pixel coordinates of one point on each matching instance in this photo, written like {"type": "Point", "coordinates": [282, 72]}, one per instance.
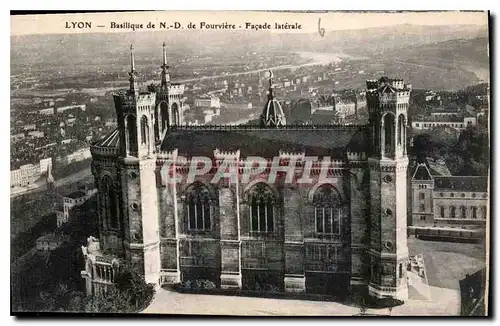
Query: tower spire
{"type": "Point", "coordinates": [271, 76]}
{"type": "Point", "coordinates": [132, 73]}
{"type": "Point", "coordinates": [164, 54]}
{"type": "Point", "coordinates": [165, 76]}
{"type": "Point", "coordinates": [132, 61]}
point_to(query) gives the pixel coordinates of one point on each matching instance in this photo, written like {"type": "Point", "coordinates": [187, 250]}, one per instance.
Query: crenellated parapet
{"type": "Point", "coordinates": [176, 89]}
{"type": "Point", "coordinates": [297, 156]}
{"type": "Point", "coordinates": [355, 156]}
{"type": "Point", "coordinates": [104, 151]}
{"type": "Point", "coordinates": [145, 100]}
{"type": "Point", "coordinates": [286, 127]}
{"type": "Point", "coordinates": [220, 155]}
{"type": "Point", "coordinates": [125, 101]}
{"type": "Point", "coordinates": [167, 155]}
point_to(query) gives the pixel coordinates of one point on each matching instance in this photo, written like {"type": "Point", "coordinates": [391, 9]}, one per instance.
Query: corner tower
{"type": "Point", "coordinates": [169, 106]}
{"type": "Point", "coordinates": [135, 112]}
{"type": "Point", "coordinates": [387, 101]}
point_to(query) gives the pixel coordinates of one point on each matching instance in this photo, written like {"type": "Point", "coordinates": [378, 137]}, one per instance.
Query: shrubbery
{"type": "Point", "coordinates": [131, 294]}
{"type": "Point", "coordinates": [200, 284]}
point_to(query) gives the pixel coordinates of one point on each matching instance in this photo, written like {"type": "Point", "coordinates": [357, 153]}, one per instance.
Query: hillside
{"type": "Point", "coordinates": [448, 65]}
{"type": "Point", "coordinates": [79, 48]}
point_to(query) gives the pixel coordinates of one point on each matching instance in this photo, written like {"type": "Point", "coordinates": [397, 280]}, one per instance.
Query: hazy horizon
{"type": "Point", "coordinates": [331, 21]}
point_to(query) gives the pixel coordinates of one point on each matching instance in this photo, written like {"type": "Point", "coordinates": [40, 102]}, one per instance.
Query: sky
{"type": "Point", "coordinates": [56, 24]}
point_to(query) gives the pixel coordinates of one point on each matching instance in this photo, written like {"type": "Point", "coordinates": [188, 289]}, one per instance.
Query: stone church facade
{"type": "Point", "coordinates": [344, 228]}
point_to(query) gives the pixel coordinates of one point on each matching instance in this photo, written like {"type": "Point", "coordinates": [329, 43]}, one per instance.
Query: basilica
{"type": "Point", "coordinates": [331, 235]}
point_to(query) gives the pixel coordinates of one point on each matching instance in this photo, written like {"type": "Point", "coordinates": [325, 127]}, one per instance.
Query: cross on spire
{"type": "Point", "coordinates": [132, 73]}
{"type": "Point", "coordinates": [271, 76]}
{"type": "Point", "coordinates": [165, 77]}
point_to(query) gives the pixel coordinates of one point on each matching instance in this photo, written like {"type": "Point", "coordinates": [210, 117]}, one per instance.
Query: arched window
{"type": "Point", "coordinates": [401, 129]}
{"type": "Point", "coordinates": [175, 114]}
{"type": "Point", "coordinates": [199, 207]}
{"type": "Point", "coordinates": [453, 211]}
{"type": "Point", "coordinates": [131, 134]}
{"type": "Point", "coordinates": [144, 131]}
{"type": "Point", "coordinates": [389, 126]}
{"type": "Point", "coordinates": [165, 120]}
{"type": "Point", "coordinates": [463, 212]}
{"type": "Point", "coordinates": [400, 271]}
{"type": "Point", "coordinates": [376, 138]}
{"type": "Point", "coordinates": [327, 210]}
{"type": "Point", "coordinates": [262, 202]}
{"type": "Point", "coordinates": [483, 212]}
{"type": "Point", "coordinates": [474, 212]}
{"type": "Point", "coordinates": [110, 214]}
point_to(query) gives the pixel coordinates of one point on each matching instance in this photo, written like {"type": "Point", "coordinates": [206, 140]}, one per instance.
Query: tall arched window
{"type": "Point", "coordinates": [400, 271]}
{"type": "Point", "coordinates": [441, 213]}
{"type": "Point", "coordinates": [327, 210]}
{"type": "Point", "coordinates": [109, 203]}
{"type": "Point", "coordinates": [144, 131]}
{"type": "Point", "coordinates": [401, 129]}
{"type": "Point", "coordinates": [474, 212]}
{"type": "Point", "coordinates": [483, 212]}
{"type": "Point", "coordinates": [175, 114]}
{"type": "Point", "coordinates": [463, 212]}
{"type": "Point", "coordinates": [453, 212]}
{"type": "Point", "coordinates": [389, 137]}
{"type": "Point", "coordinates": [131, 134]}
{"type": "Point", "coordinates": [165, 119]}
{"type": "Point", "coordinates": [376, 138]}
{"type": "Point", "coordinates": [199, 207]}
{"type": "Point", "coordinates": [262, 202]}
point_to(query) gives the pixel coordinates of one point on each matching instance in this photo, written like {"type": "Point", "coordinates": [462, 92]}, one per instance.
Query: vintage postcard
{"type": "Point", "coordinates": [244, 163]}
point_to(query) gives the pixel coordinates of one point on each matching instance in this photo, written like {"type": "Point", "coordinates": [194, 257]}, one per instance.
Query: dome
{"type": "Point", "coordinates": [272, 115]}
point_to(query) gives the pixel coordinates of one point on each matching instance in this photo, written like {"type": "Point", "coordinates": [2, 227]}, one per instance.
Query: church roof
{"type": "Point", "coordinates": [422, 173]}
{"type": "Point", "coordinates": [332, 141]}
{"type": "Point", "coordinates": [464, 183]}
{"type": "Point", "coordinates": [386, 89]}
{"type": "Point", "coordinates": [111, 140]}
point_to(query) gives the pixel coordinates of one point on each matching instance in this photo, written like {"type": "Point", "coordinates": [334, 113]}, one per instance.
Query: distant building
{"type": "Point", "coordinates": [48, 111]}
{"type": "Point", "coordinates": [445, 201]}
{"type": "Point", "coordinates": [29, 173]}
{"type": "Point", "coordinates": [36, 134]}
{"type": "Point", "coordinates": [70, 122]}
{"type": "Point", "coordinates": [208, 116]}
{"type": "Point", "coordinates": [66, 141]}
{"type": "Point", "coordinates": [445, 121]}
{"type": "Point", "coordinates": [17, 137]}
{"type": "Point", "coordinates": [45, 165]}
{"type": "Point", "coordinates": [207, 102]}
{"type": "Point", "coordinates": [50, 242]}
{"type": "Point", "coordinates": [71, 107]}
{"type": "Point", "coordinates": [345, 107]}
{"type": "Point", "coordinates": [77, 156]}
{"type": "Point", "coordinates": [71, 201]}
{"type": "Point", "coordinates": [29, 127]}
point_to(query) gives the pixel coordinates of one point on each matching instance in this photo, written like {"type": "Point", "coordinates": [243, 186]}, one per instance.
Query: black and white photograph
{"type": "Point", "coordinates": [250, 163]}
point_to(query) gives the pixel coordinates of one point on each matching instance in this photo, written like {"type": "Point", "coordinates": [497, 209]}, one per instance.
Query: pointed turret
{"type": "Point", "coordinates": [132, 73]}
{"type": "Point", "coordinates": [165, 76]}
{"type": "Point", "coordinates": [272, 115]}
